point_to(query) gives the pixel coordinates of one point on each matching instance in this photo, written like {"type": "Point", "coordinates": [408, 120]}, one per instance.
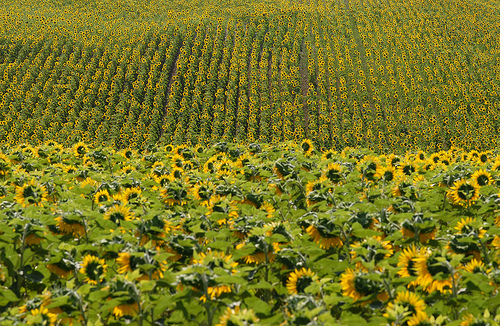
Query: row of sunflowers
{"type": "Point", "coordinates": [248, 235]}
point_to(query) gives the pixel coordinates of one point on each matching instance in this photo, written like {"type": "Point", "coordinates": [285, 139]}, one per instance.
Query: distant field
{"type": "Point", "coordinates": [387, 75]}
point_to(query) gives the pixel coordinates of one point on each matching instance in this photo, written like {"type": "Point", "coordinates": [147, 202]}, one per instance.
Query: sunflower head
{"type": "Point", "coordinates": [408, 308]}
{"type": "Point", "coordinates": [118, 213]}
{"type": "Point", "coordinates": [94, 269]}
{"type": "Point", "coordinates": [237, 316]}
{"type": "Point", "coordinates": [358, 284]}
{"type": "Point", "coordinates": [463, 193]}
{"type": "Point", "coordinates": [481, 178]}
{"type": "Point", "coordinates": [80, 149]}
{"type": "Point", "coordinates": [299, 280]}
{"type": "Point", "coordinates": [334, 172]}
{"type": "Point", "coordinates": [307, 147]}
{"type": "Point", "coordinates": [31, 193]}
{"type": "Point", "coordinates": [434, 273]}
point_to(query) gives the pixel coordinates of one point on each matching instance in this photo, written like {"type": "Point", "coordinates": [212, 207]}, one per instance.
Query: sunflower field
{"type": "Point", "coordinates": [385, 75]}
{"type": "Point", "coordinates": [248, 235]}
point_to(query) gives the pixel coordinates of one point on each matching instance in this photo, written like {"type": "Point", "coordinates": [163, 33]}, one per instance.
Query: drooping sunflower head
{"type": "Point", "coordinates": [325, 233]}
{"type": "Point", "coordinates": [47, 317]}
{"type": "Point", "coordinates": [94, 269]}
{"type": "Point", "coordinates": [4, 164]}
{"type": "Point", "coordinates": [237, 316]}
{"type": "Point", "coordinates": [216, 259]}
{"type": "Point", "coordinates": [357, 284]}
{"type": "Point", "coordinates": [174, 193]}
{"type": "Point", "coordinates": [70, 225]}
{"type": "Point", "coordinates": [61, 268]}
{"type": "Point", "coordinates": [476, 266]}
{"type": "Point", "coordinates": [467, 226]}
{"type": "Point", "coordinates": [31, 193]}
{"type": "Point", "coordinates": [408, 307]}
{"type": "Point", "coordinates": [367, 167]}
{"type": "Point", "coordinates": [425, 227]}
{"type": "Point", "coordinates": [118, 213]}
{"type": "Point", "coordinates": [299, 280]}
{"type": "Point", "coordinates": [371, 250]}
{"type": "Point", "coordinates": [334, 172]}
{"type": "Point", "coordinates": [407, 167]}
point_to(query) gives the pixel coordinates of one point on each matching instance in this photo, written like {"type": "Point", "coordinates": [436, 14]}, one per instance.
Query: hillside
{"type": "Point", "coordinates": [385, 75]}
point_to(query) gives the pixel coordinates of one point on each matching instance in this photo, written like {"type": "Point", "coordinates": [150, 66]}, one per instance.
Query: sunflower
{"type": "Point", "coordinates": [406, 261]}
{"type": "Point", "coordinates": [80, 149]}
{"type": "Point", "coordinates": [4, 164]}
{"type": "Point", "coordinates": [47, 318]}
{"type": "Point", "coordinates": [128, 308]}
{"type": "Point", "coordinates": [219, 204]}
{"type": "Point", "coordinates": [93, 269]}
{"type": "Point", "coordinates": [433, 274]}
{"type": "Point", "coordinates": [407, 168]}
{"type": "Point", "coordinates": [215, 292]}
{"type": "Point", "coordinates": [70, 226]}
{"type": "Point", "coordinates": [298, 280]}
{"type": "Point", "coordinates": [370, 250]}
{"type": "Point", "coordinates": [425, 227]}
{"type": "Point", "coordinates": [174, 193]}
{"type": "Point", "coordinates": [463, 193]}
{"type": "Point", "coordinates": [356, 284]}
{"type": "Point", "coordinates": [155, 230]}
{"type": "Point", "coordinates": [476, 266]}
{"type": "Point", "coordinates": [330, 154]}
{"type": "Point", "coordinates": [128, 153]}
{"type": "Point", "coordinates": [496, 165]}
{"type": "Point", "coordinates": [237, 316]}
{"type": "Point", "coordinates": [31, 193]}
{"type": "Point", "coordinates": [268, 208]}
{"type": "Point", "coordinates": [465, 227]}
{"type": "Point", "coordinates": [413, 308]}
{"type": "Point", "coordinates": [307, 146]}
{"type": "Point", "coordinates": [325, 237]}
{"type": "Point", "coordinates": [318, 190]}
{"type": "Point", "coordinates": [368, 167]}
{"type": "Point", "coordinates": [102, 196]}
{"type": "Point", "coordinates": [334, 172]}
{"type": "Point", "coordinates": [60, 269]}
{"type": "Point", "coordinates": [481, 178]}
{"type": "Point", "coordinates": [131, 194]}
{"type": "Point", "coordinates": [203, 190]}
{"type": "Point", "coordinates": [216, 259]}
{"type": "Point", "coordinates": [127, 169]}
{"type": "Point", "coordinates": [118, 213]}
{"type": "Point", "coordinates": [259, 254]}
{"type": "Point", "coordinates": [387, 173]}
{"type": "Point", "coordinates": [130, 263]}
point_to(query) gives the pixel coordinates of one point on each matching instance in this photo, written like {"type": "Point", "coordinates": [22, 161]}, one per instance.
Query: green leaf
{"type": "Point", "coordinates": [257, 305]}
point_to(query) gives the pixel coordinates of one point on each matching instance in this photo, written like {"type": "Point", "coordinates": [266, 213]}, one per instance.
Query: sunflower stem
{"type": "Point", "coordinates": [207, 305]}
{"type": "Point", "coordinates": [21, 258]}
{"type": "Point", "coordinates": [484, 249]}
